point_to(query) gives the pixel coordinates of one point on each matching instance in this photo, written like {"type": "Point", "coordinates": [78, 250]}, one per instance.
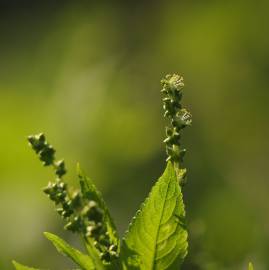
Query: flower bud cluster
{"type": "Point", "coordinates": [178, 117]}
{"type": "Point", "coordinates": [46, 153]}
{"type": "Point", "coordinates": [82, 215]}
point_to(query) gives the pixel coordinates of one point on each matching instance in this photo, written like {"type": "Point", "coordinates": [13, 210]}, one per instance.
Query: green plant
{"type": "Point", "coordinates": [157, 235]}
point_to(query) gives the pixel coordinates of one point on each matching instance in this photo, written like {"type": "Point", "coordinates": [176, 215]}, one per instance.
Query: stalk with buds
{"type": "Point", "coordinates": [179, 118]}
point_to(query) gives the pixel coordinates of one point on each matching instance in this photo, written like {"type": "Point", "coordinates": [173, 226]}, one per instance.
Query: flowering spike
{"type": "Point", "coordinates": [46, 153]}
{"type": "Point", "coordinates": [178, 117]}
{"type": "Point", "coordinates": [82, 214]}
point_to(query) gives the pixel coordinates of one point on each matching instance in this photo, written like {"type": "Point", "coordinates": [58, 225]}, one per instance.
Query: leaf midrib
{"type": "Point", "coordinates": [159, 222]}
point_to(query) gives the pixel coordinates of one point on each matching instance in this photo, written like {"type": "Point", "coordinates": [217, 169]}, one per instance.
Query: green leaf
{"type": "Point", "coordinates": [82, 260]}
{"type": "Point", "coordinates": [22, 267]}
{"type": "Point", "coordinates": [157, 237]}
{"type": "Point", "coordinates": [94, 253]}
{"type": "Point", "coordinates": [250, 266]}
{"type": "Point", "coordinates": [89, 190]}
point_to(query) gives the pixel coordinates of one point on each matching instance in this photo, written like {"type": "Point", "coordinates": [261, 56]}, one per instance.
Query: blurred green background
{"type": "Point", "coordinates": [87, 74]}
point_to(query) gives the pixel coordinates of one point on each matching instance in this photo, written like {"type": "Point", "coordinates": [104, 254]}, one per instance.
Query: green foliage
{"type": "Point", "coordinates": [22, 267]}
{"type": "Point", "coordinates": [84, 261]}
{"type": "Point", "coordinates": [157, 237]}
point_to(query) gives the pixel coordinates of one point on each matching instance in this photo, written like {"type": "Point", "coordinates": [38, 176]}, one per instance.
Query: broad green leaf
{"type": "Point", "coordinates": [22, 267]}
{"type": "Point", "coordinates": [89, 190]}
{"type": "Point", "coordinates": [250, 266]}
{"type": "Point", "coordinates": [157, 237]}
{"type": "Point", "coordinates": [83, 261]}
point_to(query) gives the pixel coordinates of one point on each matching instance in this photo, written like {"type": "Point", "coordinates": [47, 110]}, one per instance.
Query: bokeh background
{"type": "Point", "coordinates": [87, 74]}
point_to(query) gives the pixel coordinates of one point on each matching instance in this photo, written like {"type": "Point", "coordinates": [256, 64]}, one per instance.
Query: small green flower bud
{"type": "Point", "coordinates": [66, 213]}
{"type": "Point", "coordinates": [170, 107]}
{"type": "Point", "coordinates": [61, 185]}
{"type": "Point", "coordinates": [173, 137]}
{"type": "Point", "coordinates": [93, 212]}
{"type": "Point", "coordinates": [76, 200]}
{"type": "Point", "coordinates": [60, 211]}
{"type": "Point", "coordinates": [70, 227]}
{"type": "Point", "coordinates": [37, 142]}
{"type": "Point", "coordinates": [56, 191]}
{"type": "Point", "coordinates": [60, 168]}
{"type": "Point", "coordinates": [47, 155]}
{"type": "Point", "coordinates": [113, 248]}
{"type": "Point", "coordinates": [66, 205]}
{"type": "Point", "coordinates": [182, 119]}
{"type": "Point", "coordinates": [104, 240]}
{"type": "Point", "coordinates": [48, 189]}
{"type": "Point", "coordinates": [74, 225]}
{"type": "Point", "coordinates": [105, 256]}
{"type": "Point", "coordinates": [172, 82]}
{"type": "Point", "coordinates": [94, 230]}
{"type": "Point", "coordinates": [60, 196]}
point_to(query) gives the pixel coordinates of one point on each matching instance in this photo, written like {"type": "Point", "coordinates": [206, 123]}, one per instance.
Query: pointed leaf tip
{"type": "Point", "coordinates": [19, 266]}
{"type": "Point", "coordinates": [78, 169]}
{"type": "Point", "coordinates": [250, 266]}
